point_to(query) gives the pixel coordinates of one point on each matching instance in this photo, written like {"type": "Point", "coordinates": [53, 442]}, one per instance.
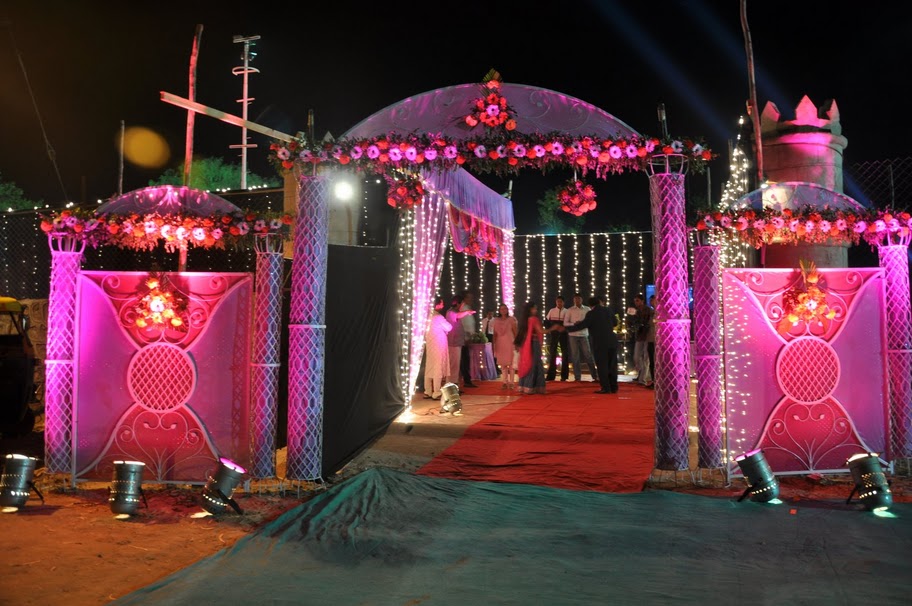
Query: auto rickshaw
{"type": "Point", "coordinates": [17, 368]}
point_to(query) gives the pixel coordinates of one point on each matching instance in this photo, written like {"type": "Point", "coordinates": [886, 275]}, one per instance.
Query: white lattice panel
{"type": "Point", "coordinates": [306, 335]}
{"type": "Point", "coordinates": [895, 262]}
{"type": "Point", "coordinates": [65, 263]}
{"type": "Point", "coordinates": [794, 361]}
{"type": "Point", "coordinates": [161, 376]}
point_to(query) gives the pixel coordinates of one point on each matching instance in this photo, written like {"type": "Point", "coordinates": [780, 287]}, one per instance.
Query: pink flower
{"type": "Point", "coordinates": [410, 153]}
{"type": "Point", "coordinates": [430, 154]}
{"type": "Point", "coordinates": [726, 220]}
{"type": "Point", "coordinates": [492, 110]}
{"type": "Point", "coordinates": [260, 225]}
{"type": "Point", "coordinates": [373, 152]}
{"type": "Point", "coordinates": [741, 223]}
{"type": "Point", "coordinates": [631, 151]}
{"type": "Point", "coordinates": [860, 227]}
{"type": "Point", "coordinates": [450, 152]}
{"type": "Point", "coordinates": [305, 155]}
{"type": "Point", "coordinates": [841, 224]}
{"type": "Point", "coordinates": [893, 225]}
{"type": "Point", "coordinates": [825, 226]}
{"type": "Point", "coordinates": [615, 152]}
{"type": "Point", "coordinates": [577, 147]}
{"type": "Point", "coordinates": [501, 151]}
{"type": "Point", "coordinates": [151, 227]}
{"type": "Point", "coordinates": [243, 228]}
{"type": "Point", "coordinates": [809, 226]}
{"type": "Point", "coordinates": [594, 152]}
{"type": "Point", "coordinates": [650, 146]}
{"type": "Point", "coordinates": [337, 151]}
{"type": "Point", "coordinates": [778, 222]}
{"type": "Point", "coordinates": [199, 234]}
{"type": "Point", "coordinates": [217, 233]}
{"type": "Point", "coordinates": [395, 154]}
{"type": "Point", "coordinates": [519, 151]}
{"type": "Point", "coordinates": [480, 151]}
{"type": "Point", "coordinates": [539, 151]}
{"type": "Point", "coordinates": [356, 152]}
{"type": "Point", "coordinates": [557, 148]}
{"type": "Point", "coordinates": [880, 225]}
{"type": "Point", "coordinates": [759, 224]}
{"type": "Point", "coordinates": [283, 153]}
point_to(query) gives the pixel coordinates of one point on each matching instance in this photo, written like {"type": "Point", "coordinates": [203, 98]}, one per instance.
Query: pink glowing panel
{"type": "Point", "coordinates": [168, 200]}
{"type": "Point", "coordinates": [172, 399]}
{"type": "Point", "coordinates": [811, 397]}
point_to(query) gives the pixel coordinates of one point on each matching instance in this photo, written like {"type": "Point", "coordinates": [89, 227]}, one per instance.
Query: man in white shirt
{"type": "Point", "coordinates": [469, 328]}
{"type": "Point", "coordinates": [579, 340]}
{"type": "Point", "coordinates": [558, 339]}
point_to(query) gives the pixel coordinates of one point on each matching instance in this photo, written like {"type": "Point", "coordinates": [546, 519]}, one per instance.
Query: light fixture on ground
{"type": "Point", "coordinates": [16, 482]}
{"type": "Point", "coordinates": [126, 488]}
{"type": "Point", "coordinates": [450, 401]}
{"type": "Point", "coordinates": [218, 490]}
{"type": "Point", "coordinates": [762, 484]}
{"type": "Point", "coordinates": [870, 482]}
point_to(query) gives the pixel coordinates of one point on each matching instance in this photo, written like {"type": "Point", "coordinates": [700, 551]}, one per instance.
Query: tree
{"type": "Point", "coordinates": [210, 174]}
{"type": "Point", "coordinates": [13, 198]}
{"type": "Point", "coordinates": [552, 219]}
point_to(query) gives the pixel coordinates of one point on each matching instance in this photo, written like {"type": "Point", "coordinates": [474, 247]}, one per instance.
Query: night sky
{"type": "Point", "coordinates": [93, 64]}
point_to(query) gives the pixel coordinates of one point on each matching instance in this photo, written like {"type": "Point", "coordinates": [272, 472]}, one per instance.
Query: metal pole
{"type": "Point", "coordinates": [120, 170]}
{"type": "Point", "coordinates": [245, 71]}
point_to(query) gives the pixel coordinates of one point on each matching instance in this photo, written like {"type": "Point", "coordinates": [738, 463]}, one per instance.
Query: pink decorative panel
{"type": "Point", "coordinates": [175, 399]}
{"type": "Point", "coordinates": [816, 393]}
{"type": "Point", "coordinates": [895, 262]}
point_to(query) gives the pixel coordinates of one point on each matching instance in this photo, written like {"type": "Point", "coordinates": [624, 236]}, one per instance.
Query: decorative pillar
{"type": "Point", "coordinates": [894, 259]}
{"type": "Point", "coordinates": [507, 271]}
{"type": "Point", "coordinates": [66, 258]}
{"type": "Point", "coordinates": [708, 353]}
{"type": "Point", "coordinates": [672, 357]}
{"type": "Point", "coordinates": [266, 346]}
{"type": "Point", "coordinates": [307, 331]}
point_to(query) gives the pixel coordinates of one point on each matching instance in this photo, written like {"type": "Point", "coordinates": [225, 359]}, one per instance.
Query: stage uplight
{"type": "Point", "coordinates": [762, 485]}
{"type": "Point", "coordinates": [218, 490]}
{"type": "Point", "coordinates": [16, 482]}
{"type": "Point", "coordinates": [870, 482]}
{"type": "Point", "coordinates": [344, 190]}
{"type": "Point", "coordinates": [451, 402]}
{"type": "Point", "coordinates": [126, 488]}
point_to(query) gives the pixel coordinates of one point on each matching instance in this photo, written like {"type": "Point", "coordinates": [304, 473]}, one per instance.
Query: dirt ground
{"type": "Point", "coordinates": [71, 550]}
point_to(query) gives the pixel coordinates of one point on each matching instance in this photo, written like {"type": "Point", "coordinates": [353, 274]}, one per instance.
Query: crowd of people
{"type": "Point", "coordinates": [581, 333]}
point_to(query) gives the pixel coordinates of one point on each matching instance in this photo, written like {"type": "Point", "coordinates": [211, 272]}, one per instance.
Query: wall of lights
{"type": "Point", "coordinates": [617, 265]}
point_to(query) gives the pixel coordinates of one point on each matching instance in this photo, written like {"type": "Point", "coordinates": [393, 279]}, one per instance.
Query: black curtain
{"type": "Point", "coordinates": [361, 384]}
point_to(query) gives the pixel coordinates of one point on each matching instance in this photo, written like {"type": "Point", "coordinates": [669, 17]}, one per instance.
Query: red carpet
{"type": "Point", "coordinates": [568, 438]}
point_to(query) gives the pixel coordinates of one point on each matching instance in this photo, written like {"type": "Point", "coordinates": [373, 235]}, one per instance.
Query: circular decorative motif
{"type": "Point", "coordinates": [161, 376]}
{"type": "Point", "coordinates": [808, 370]}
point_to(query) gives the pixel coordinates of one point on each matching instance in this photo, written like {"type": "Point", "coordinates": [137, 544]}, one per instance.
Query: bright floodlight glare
{"type": "Point", "coordinates": [762, 485]}
{"type": "Point", "coordinates": [870, 482]}
{"type": "Point", "coordinates": [16, 482]}
{"type": "Point", "coordinates": [451, 402]}
{"type": "Point", "coordinates": [126, 488]}
{"type": "Point", "coordinates": [218, 490]}
{"type": "Point", "coordinates": [344, 190]}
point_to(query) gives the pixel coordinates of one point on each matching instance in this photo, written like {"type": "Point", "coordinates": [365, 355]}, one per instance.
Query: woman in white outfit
{"type": "Point", "coordinates": [437, 351]}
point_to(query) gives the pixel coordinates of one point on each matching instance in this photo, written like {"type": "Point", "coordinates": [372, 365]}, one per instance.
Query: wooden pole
{"type": "Point", "coordinates": [120, 170]}
{"type": "Point", "coordinates": [752, 103]}
{"type": "Point", "coordinates": [191, 115]}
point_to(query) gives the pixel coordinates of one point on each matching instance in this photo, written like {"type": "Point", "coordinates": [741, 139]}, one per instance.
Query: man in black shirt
{"type": "Point", "coordinates": [601, 321]}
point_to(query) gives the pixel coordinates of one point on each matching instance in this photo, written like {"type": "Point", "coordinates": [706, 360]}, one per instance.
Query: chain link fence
{"type": "Point", "coordinates": [880, 183]}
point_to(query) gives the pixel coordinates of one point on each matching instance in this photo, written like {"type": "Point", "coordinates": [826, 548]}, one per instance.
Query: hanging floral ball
{"type": "Point", "coordinates": [577, 198]}
{"type": "Point", "coordinates": [405, 193]}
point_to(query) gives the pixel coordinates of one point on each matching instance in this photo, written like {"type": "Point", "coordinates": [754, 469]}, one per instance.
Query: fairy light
{"type": "Point", "coordinates": [526, 258]}
{"type": "Point", "coordinates": [465, 272]}
{"type": "Point", "coordinates": [544, 290]}
{"type": "Point", "coordinates": [558, 265]}
{"type": "Point", "coordinates": [575, 264]}
{"type": "Point", "coordinates": [641, 263]}
{"type": "Point", "coordinates": [452, 270]}
{"type": "Point", "coordinates": [624, 289]}
{"type": "Point", "coordinates": [608, 266]}
{"type": "Point", "coordinates": [406, 241]}
{"type": "Point", "coordinates": [592, 274]}
{"type": "Point", "coordinates": [482, 302]}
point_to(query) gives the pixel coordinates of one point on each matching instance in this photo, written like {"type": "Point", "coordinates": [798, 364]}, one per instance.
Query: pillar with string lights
{"type": "Point", "coordinates": [66, 259]}
{"type": "Point", "coordinates": [265, 365]}
{"type": "Point", "coordinates": [672, 372]}
{"type": "Point", "coordinates": [894, 259]}
{"type": "Point", "coordinates": [708, 353]}
{"type": "Point", "coordinates": [307, 330]}
{"type": "Point", "coordinates": [507, 271]}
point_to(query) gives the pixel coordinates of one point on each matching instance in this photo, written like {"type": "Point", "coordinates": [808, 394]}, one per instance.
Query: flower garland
{"type": "Point", "coordinates": [491, 153]}
{"type": "Point", "coordinates": [146, 231]}
{"type": "Point", "coordinates": [161, 307]}
{"type": "Point", "coordinates": [809, 225]}
{"type": "Point", "coordinates": [806, 303]}
{"type": "Point", "coordinates": [492, 109]}
{"type": "Point", "coordinates": [577, 198]}
{"type": "Point", "coordinates": [405, 192]}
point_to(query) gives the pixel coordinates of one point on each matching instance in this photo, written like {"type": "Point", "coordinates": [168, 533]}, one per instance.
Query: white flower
{"type": "Point", "coordinates": [181, 233]}
{"type": "Point", "coordinates": [860, 227]}
{"type": "Point", "coordinates": [199, 234]}
{"type": "Point", "coordinates": [825, 226]}
{"type": "Point", "coordinates": [166, 231]}
{"type": "Point", "coordinates": [450, 152]}
{"type": "Point", "coordinates": [305, 155]}
{"type": "Point", "coordinates": [809, 226]}
{"type": "Point", "coordinates": [151, 227]}
{"type": "Point", "coordinates": [697, 149]}
{"type": "Point", "coordinates": [243, 228]}
{"type": "Point", "coordinates": [501, 151]}
{"type": "Point", "coordinates": [677, 147]}
{"type": "Point", "coordinates": [275, 224]}
{"type": "Point", "coordinates": [650, 146]}
{"type": "Point", "coordinates": [260, 225]}
{"type": "Point", "coordinates": [880, 225]}
{"type": "Point", "coordinates": [893, 225]}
